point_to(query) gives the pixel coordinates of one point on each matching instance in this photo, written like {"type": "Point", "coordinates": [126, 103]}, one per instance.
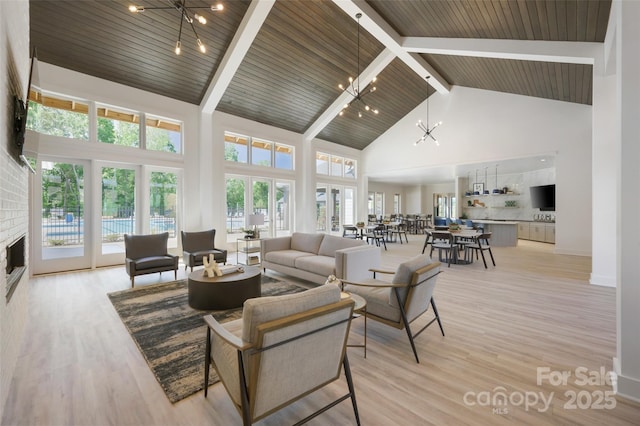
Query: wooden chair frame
{"type": "Point", "coordinates": [404, 321]}
{"type": "Point", "coordinates": [248, 355]}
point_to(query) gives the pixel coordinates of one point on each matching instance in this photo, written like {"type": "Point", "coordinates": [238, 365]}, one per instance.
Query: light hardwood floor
{"type": "Point", "coordinates": [79, 366]}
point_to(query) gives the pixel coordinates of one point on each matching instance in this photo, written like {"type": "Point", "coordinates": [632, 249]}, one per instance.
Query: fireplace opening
{"type": "Point", "coordinates": [15, 264]}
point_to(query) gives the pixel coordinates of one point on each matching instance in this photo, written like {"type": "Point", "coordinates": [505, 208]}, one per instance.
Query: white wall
{"type": "Point", "coordinates": [14, 180]}
{"type": "Point", "coordinates": [485, 126]}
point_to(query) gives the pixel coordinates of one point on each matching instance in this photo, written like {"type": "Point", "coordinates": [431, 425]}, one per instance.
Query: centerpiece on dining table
{"type": "Point", "coordinates": [454, 227]}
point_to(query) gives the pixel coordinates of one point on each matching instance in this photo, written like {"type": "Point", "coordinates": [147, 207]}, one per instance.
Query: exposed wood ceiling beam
{"type": "Point", "coordinates": [242, 40]}
{"type": "Point", "coordinates": [380, 29]}
{"type": "Point", "coordinates": [528, 50]}
{"type": "Point", "coordinates": [374, 68]}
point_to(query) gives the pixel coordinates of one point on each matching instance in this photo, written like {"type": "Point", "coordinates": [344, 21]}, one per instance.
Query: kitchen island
{"type": "Point", "coordinates": [503, 233]}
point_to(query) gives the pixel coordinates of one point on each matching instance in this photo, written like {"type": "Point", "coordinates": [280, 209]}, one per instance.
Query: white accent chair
{"type": "Point", "coordinates": [282, 349]}
{"type": "Point", "coordinates": [399, 302]}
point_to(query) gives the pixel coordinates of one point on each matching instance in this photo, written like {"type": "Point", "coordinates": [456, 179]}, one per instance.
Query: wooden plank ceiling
{"type": "Point", "coordinates": [304, 49]}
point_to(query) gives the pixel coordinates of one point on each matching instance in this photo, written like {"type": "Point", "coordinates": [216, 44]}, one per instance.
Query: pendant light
{"type": "Point", "coordinates": [353, 88]}
{"type": "Point", "coordinates": [486, 183]}
{"type": "Point", "coordinates": [187, 15]}
{"type": "Point", "coordinates": [428, 132]}
{"type": "Point", "coordinates": [497, 190]}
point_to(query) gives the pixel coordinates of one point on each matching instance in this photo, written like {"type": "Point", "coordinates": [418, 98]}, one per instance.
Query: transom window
{"type": "Point", "coordinates": [257, 152]}
{"type": "Point", "coordinates": [59, 115]}
{"type": "Point", "coordinates": [335, 165]}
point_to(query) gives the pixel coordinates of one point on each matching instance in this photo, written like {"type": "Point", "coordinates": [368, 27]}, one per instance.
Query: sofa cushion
{"type": "Point", "coordinates": [286, 257]}
{"type": "Point", "coordinates": [404, 273]}
{"type": "Point", "coordinates": [262, 309]}
{"type": "Point", "coordinates": [377, 299]}
{"type": "Point", "coordinates": [153, 262]}
{"type": "Point", "coordinates": [331, 243]}
{"type": "Point", "coordinates": [321, 265]}
{"type": "Point", "coordinates": [306, 242]}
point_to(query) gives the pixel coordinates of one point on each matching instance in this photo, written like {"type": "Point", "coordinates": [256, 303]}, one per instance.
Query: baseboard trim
{"type": "Point", "coordinates": [572, 252]}
{"type": "Point", "coordinates": [603, 280]}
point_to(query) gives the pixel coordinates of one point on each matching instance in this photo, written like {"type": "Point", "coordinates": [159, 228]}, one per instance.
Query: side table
{"type": "Point", "coordinates": [251, 248]}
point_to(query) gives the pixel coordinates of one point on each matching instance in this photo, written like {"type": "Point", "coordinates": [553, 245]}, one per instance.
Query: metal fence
{"type": "Point", "coordinates": [66, 227]}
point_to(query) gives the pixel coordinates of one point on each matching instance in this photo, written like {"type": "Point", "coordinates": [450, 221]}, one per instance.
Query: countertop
{"type": "Point", "coordinates": [494, 222]}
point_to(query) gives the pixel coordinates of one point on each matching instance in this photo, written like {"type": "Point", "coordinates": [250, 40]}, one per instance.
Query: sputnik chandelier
{"type": "Point", "coordinates": [186, 14]}
{"type": "Point", "coordinates": [353, 88]}
{"type": "Point", "coordinates": [428, 132]}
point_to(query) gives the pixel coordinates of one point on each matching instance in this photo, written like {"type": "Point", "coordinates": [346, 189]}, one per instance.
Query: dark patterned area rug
{"type": "Point", "coordinates": [171, 335]}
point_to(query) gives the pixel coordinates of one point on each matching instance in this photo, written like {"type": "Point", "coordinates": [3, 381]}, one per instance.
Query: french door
{"type": "Point", "coordinates": [83, 209]}
{"type": "Point", "coordinates": [60, 225]}
{"type": "Point", "coordinates": [271, 198]}
{"type": "Point", "coordinates": [335, 206]}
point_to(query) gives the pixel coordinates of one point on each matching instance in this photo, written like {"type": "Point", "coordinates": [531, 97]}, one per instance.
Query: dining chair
{"type": "Point", "coordinates": [350, 231]}
{"type": "Point", "coordinates": [377, 235]}
{"type": "Point", "coordinates": [398, 230]}
{"type": "Point", "coordinates": [443, 241]}
{"type": "Point", "coordinates": [481, 244]}
{"type": "Point", "coordinates": [428, 240]}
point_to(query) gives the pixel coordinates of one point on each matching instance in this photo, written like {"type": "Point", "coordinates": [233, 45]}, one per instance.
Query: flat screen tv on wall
{"type": "Point", "coordinates": [543, 197]}
{"type": "Point", "coordinates": [20, 111]}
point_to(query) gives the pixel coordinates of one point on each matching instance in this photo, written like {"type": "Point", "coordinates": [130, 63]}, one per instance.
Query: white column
{"type": "Point", "coordinates": [628, 291]}
{"type": "Point", "coordinates": [605, 158]}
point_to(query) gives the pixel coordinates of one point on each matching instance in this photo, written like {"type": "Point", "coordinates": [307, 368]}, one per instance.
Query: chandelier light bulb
{"type": "Point", "coordinates": [341, 112]}
{"type": "Point", "coordinates": [374, 79]}
{"type": "Point", "coordinates": [136, 9]}
{"type": "Point", "coordinates": [340, 86]}
{"type": "Point", "coordinates": [178, 47]}
{"type": "Point", "coordinates": [203, 49]}
{"type": "Point", "coordinates": [217, 7]}
{"type": "Point", "coordinates": [375, 111]}
{"type": "Point", "coordinates": [359, 114]}
{"type": "Point", "coordinates": [367, 107]}
{"type": "Point", "coordinates": [200, 18]}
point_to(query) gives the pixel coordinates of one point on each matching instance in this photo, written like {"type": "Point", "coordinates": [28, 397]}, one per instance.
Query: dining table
{"type": "Point", "coordinates": [461, 238]}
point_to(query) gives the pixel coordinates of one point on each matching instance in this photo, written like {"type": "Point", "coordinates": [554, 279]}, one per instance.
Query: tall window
{"type": "Point", "coordinates": [375, 203]}
{"type": "Point", "coordinates": [444, 205]}
{"type": "Point", "coordinates": [397, 207]}
{"type": "Point", "coordinates": [163, 204]}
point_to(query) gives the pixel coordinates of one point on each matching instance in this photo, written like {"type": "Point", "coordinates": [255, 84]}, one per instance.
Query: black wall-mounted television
{"type": "Point", "coordinates": [543, 197]}
{"type": "Point", "coordinates": [20, 111]}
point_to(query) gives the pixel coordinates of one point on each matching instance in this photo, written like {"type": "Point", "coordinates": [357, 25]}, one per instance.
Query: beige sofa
{"type": "Point", "coordinates": [313, 257]}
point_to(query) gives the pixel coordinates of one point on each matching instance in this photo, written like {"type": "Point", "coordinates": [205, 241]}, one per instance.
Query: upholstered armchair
{"type": "Point", "coordinates": [196, 245]}
{"type": "Point", "coordinates": [282, 349]}
{"type": "Point", "coordinates": [146, 254]}
{"type": "Point", "coordinates": [399, 302]}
